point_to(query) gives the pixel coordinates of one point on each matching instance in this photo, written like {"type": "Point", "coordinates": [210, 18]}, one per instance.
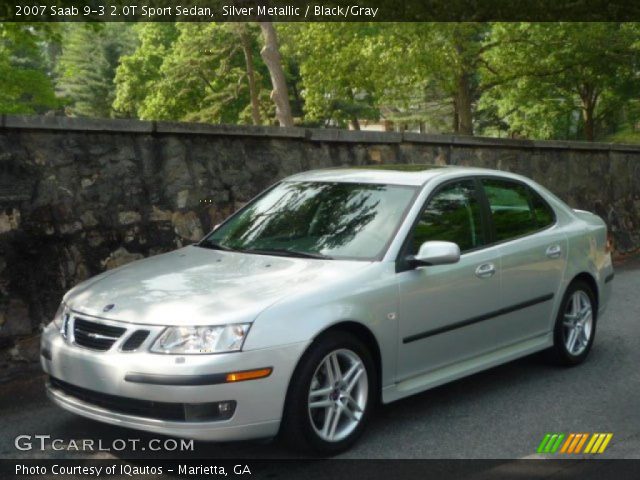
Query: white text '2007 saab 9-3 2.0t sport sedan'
{"type": "Point", "coordinates": [331, 291]}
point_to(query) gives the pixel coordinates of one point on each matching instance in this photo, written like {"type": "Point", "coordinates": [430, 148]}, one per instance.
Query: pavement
{"type": "Point", "coordinates": [502, 413]}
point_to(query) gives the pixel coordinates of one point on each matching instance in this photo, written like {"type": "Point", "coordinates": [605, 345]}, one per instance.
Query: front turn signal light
{"type": "Point", "coordinates": [608, 248]}
{"type": "Point", "coordinates": [248, 375]}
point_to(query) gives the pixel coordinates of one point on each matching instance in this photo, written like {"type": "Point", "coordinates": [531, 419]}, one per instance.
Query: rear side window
{"type": "Point", "coordinates": [541, 210]}
{"type": "Point", "coordinates": [516, 210]}
{"type": "Point", "coordinates": [452, 215]}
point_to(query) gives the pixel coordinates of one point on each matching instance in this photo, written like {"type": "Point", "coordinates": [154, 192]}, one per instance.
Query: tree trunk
{"type": "Point", "coordinates": [355, 123]}
{"type": "Point", "coordinates": [588, 111]}
{"type": "Point", "coordinates": [456, 118]}
{"type": "Point", "coordinates": [589, 125]}
{"type": "Point", "coordinates": [251, 76]}
{"type": "Point", "coordinates": [464, 107]}
{"type": "Point", "coordinates": [589, 97]}
{"type": "Point", "coordinates": [271, 55]}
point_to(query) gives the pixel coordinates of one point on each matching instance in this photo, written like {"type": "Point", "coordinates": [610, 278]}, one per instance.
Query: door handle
{"type": "Point", "coordinates": [485, 270]}
{"type": "Point", "coordinates": [554, 251]}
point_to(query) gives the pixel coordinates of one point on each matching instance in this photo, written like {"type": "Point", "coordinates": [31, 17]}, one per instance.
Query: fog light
{"type": "Point", "coordinates": [202, 412]}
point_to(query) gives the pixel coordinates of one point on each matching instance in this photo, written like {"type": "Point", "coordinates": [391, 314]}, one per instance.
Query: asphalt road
{"type": "Point", "coordinates": [499, 414]}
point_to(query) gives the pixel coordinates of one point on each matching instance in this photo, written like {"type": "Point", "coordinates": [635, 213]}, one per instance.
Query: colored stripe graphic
{"type": "Point", "coordinates": [543, 443]}
{"type": "Point", "coordinates": [594, 437]}
{"type": "Point", "coordinates": [568, 442]}
{"type": "Point", "coordinates": [581, 442]}
{"type": "Point", "coordinates": [605, 443]}
{"type": "Point", "coordinates": [558, 442]}
{"type": "Point", "coordinates": [574, 443]}
{"type": "Point", "coordinates": [598, 442]}
{"type": "Point", "coordinates": [550, 443]}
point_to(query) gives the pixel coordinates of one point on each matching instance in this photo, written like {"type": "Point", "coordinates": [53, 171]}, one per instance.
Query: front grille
{"type": "Point", "coordinates": [181, 412]}
{"type": "Point", "coordinates": [135, 340]}
{"type": "Point", "coordinates": [96, 336]}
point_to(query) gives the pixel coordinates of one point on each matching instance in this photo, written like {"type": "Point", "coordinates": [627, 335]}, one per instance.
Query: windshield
{"type": "Point", "coordinates": [317, 219]}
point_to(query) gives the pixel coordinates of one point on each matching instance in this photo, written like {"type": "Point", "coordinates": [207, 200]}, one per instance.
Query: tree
{"type": "Point", "coordinates": [138, 74]}
{"type": "Point", "coordinates": [211, 73]}
{"type": "Point", "coordinates": [247, 43]}
{"type": "Point", "coordinates": [439, 61]}
{"type": "Point", "coordinates": [271, 55]}
{"type": "Point", "coordinates": [546, 80]}
{"type": "Point", "coordinates": [87, 65]}
{"type": "Point", "coordinates": [424, 73]}
{"type": "Point", "coordinates": [339, 88]}
{"type": "Point", "coordinates": [25, 83]}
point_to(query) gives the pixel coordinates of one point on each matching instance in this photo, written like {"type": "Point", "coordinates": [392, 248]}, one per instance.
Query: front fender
{"type": "Point", "coordinates": [370, 300]}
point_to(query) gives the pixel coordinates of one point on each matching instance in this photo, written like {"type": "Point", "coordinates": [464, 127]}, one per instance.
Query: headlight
{"type": "Point", "coordinates": [216, 339]}
{"type": "Point", "coordinates": [61, 317]}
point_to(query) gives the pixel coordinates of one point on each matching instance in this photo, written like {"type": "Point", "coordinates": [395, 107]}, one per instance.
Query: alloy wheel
{"type": "Point", "coordinates": [577, 323]}
{"type": "Point", "coordinates": [338, 395]}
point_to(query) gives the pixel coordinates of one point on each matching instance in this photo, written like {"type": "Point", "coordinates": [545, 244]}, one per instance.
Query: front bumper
{"type": "Point", "coordinates": [259, 403]}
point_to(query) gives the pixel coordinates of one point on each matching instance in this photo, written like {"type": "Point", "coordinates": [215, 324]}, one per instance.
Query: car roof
{"type": "Point", "coordinates": [391, 174]}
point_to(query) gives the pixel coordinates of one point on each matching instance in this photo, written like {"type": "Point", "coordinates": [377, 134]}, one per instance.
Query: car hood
{"type": "Point", "coordinates": [197, 286]}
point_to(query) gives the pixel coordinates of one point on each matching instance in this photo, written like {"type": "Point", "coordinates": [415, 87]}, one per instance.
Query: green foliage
{"type": "Point", "coordinates": [139, 73]}
{"type": "Point", "coordinates": [626, 135]}
{"type": "Point", "coordinates": [536, 80]}
{"type": "Point", "coordinates": [25, 85]}
{"type": "Point", "coordinates": [87, 65]}
{"type": "Point", "coordinates": [195, 72]}
{"type": "Point", "coordinates": [430, 69]}
{"type": "Point", "coordinates": [335, 64]}
{"type": "Point", "coordinates": [407, 72]}
{"type": "Point", "coordinates": [560, 80]}
{"type": "Point", "coordinates": [545, 80]}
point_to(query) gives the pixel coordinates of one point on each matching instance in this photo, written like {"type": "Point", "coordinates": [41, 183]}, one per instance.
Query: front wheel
{"type": "Point", "coordinates": [331, 395]}
{"type": "Point", "coordinates": [575, 326]}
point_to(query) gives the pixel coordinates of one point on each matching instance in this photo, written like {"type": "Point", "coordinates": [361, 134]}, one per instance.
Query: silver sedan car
{"type": "Point", "coordinates": [332, 291]}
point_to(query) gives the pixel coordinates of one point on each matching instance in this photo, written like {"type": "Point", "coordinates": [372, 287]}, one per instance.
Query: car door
{"type": "Point", "coordinates": [441, 308]}
{"type": "Point", "coordinates": [533, 249]}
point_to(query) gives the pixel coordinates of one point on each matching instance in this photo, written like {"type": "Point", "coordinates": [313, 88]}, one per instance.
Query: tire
{"type": "Point", "coordinates": [310, 428]}
{"type": "Point", "coordinates": [570, 350]}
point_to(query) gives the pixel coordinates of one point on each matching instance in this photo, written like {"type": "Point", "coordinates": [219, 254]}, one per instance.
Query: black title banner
{"type": "Point", "coordinates": [317, 10]}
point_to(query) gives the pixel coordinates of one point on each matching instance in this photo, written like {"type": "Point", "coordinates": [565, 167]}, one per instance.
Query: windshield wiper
{"type": "Point", "coordinates": [215, 246]}
{"type": "Point", "coordinates": [285, 252]}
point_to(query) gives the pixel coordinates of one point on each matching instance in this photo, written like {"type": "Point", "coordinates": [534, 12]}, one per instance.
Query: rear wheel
{"type": "Point", "coordinates": [575, 325]}
{"type": "Point", "coordinates": [331, 395]}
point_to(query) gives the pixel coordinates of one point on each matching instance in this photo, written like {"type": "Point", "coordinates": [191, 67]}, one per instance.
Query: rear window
{"type": "Point", "coordinates": [541, 210]}
{"type": "Point", "coordinates": [516, 209]}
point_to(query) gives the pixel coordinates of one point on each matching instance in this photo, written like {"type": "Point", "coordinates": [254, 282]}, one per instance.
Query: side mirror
{"type": "Point", "coordinates": [435, 253]}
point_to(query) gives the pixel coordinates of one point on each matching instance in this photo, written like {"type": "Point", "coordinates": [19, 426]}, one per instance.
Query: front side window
{"type": "Point", "coordinates": [516, 210]}
{"type": "Point", "coordinates": [452, 215]}
{"type": "Point", "coordinates": [325, 219]}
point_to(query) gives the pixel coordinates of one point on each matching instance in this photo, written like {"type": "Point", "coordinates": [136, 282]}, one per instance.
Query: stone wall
{"type": "Point", "coordinates": [79, 196]}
